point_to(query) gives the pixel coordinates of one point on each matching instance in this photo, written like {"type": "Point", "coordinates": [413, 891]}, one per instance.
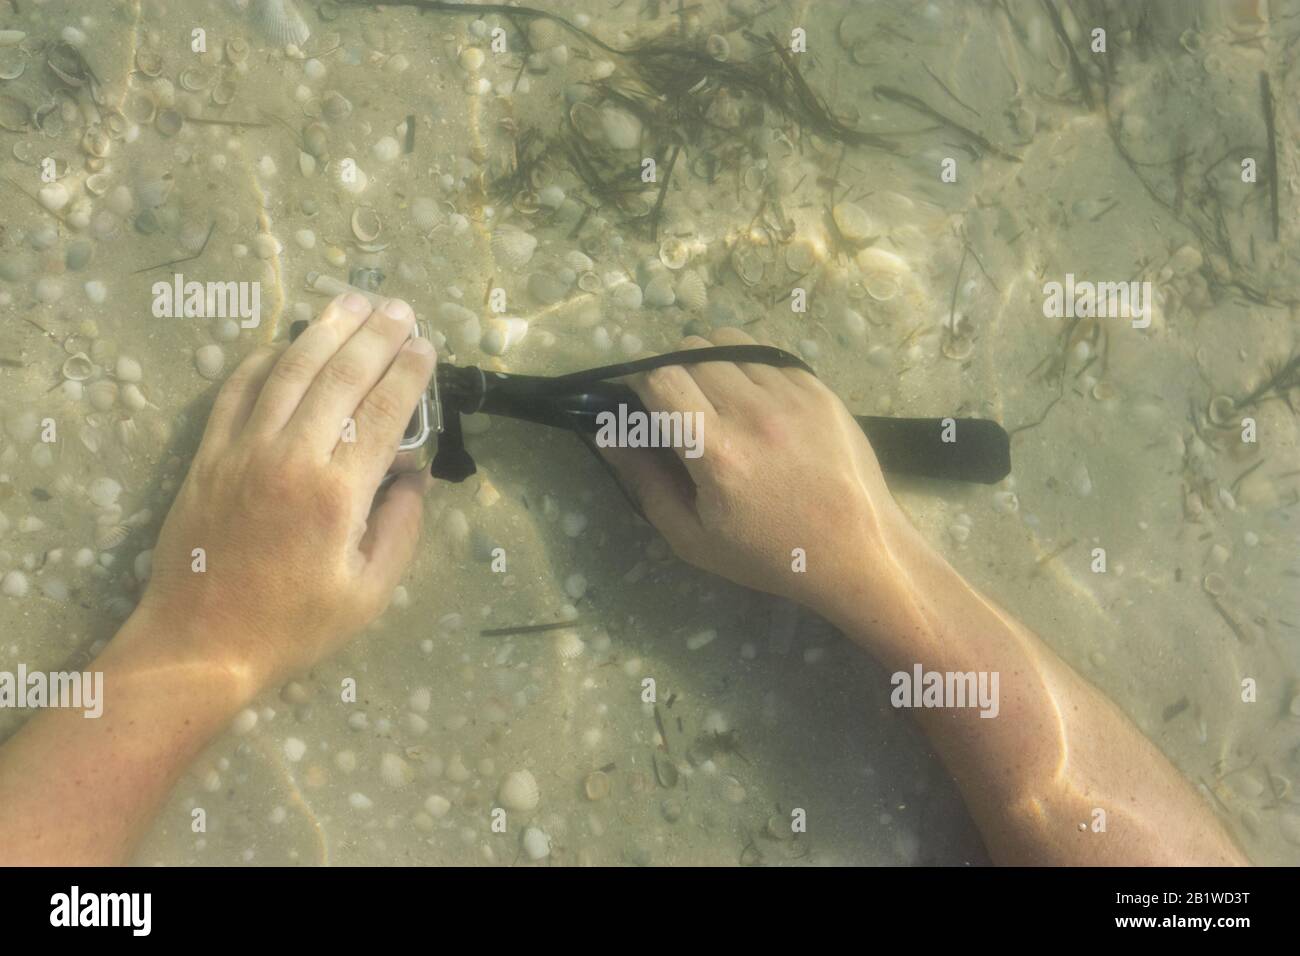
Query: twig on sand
{"type": "Point", "coordinates": [1266, 95]}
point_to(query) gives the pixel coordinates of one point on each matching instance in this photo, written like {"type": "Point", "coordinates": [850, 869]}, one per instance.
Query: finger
{"type": "Point", "coordinates": [384, 414]}
{"type": "Point", "coordinates": [393, 533]}
{"type": "Point", "coordinates": [235, 401]}
{"type": "Point", "coordinates": [726, 387]}
{"type": "Point", "coordinates": [303, 360]}
{"type": "Point", "coordinates": [767, 377]}
{"type": "Point", "coordinates": [660, 486]}
{"type": "Point", "coordinates": [672, 389]}
{"type": "Point", "coordinates": [348, 377]}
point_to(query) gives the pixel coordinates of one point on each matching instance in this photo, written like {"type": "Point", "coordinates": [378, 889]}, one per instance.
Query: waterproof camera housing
{"type": "Point", "coordinates": [415, 451]}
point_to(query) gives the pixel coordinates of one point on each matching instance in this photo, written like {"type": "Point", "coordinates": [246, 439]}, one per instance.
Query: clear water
{"type": "Point", "coordinates": [1139, 178]}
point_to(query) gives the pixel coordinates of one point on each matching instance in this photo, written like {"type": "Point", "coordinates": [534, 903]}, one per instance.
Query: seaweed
{"type": "Point", "coordinates": [1266, 97]}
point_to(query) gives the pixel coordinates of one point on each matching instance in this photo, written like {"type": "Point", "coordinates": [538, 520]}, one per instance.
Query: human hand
{"type": "Point", "coordinates": [784, 466]}
{"type": "Point", "coordinates": [298, 552]}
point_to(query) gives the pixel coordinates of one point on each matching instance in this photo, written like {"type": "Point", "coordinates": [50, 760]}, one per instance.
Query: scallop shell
{"type": "Point", "coordinates": [692, 292]}
{"type": "Point", "coordinates": [366, 224]}
{"type": "Point", "coordinates": [513, 248]}
{"type": "Point", "coordinates": [568, 645]}
{"type": "Point", "coordinates": [424, 213]}
{"type": "Point", "coordinates": [110, 536]}
{"type": "Point", "coordinates": [281, 22]}
{"type": "Point", "coordinates": [519, 791]}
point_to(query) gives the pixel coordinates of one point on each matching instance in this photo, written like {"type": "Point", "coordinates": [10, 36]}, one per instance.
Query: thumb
{"type": "Point", "coordinates": [660, 485]}
{"type": "Point", "coordinates": [394, 530]}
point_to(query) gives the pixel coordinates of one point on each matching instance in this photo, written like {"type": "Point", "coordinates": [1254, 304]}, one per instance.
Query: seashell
{"type": "Point", "coordinates": [237, 50]}
{"type": "Point", "coordinates": [15, 115]}
{"type": "Point", "coordinates": [13, 62]}
{"type": "Point", "coordinates": [424, 213]}
{"type": "Point", "coordinates": [110, 536]}
{"type": "Point", "coordinates": [169, 122]}
{"type": "Point", "coordinates": [78, 368]}
{"type": "Point", "coordinates": [658, 292]}
{"type": "Point", "coordinates": [472, 59]}
{"type": "Point", "coordinates": [54, 196]}
{"type": "Point", "coordinates": [800, 256]}
{"type": "Point", "coordinates": [568, 645]}
{"type": "Point", "coordinates": [596, 785]}
{"type": "Point", "coordinates": [525, 201]}
{"type": "Point", "coordinates": [503, 333]}
{"type": "Point", "coordinates": [875, 259]}
{"type": "Point", "coordinates": [104, 492]}
{"type": "Point", "coordinates": [223, 94]}
{"type": "Point", "coordinates": [66, 63]}
{"type": "Point", "coordinates": [366, 224]}
{"type": "Point", "coordinates": [1214, 584]}
{"type": "Point", "coordinates": [674, 252]}
{"type": "Point", "coordinates": [209, 360]}
{"type": "Point", "coordinates": [281, 22]}
{"type": "Point", "coordinates": [386, 149]}
{"type": "Point", "coordinates": [350, 177]}
{"type": "Point", "coordinates": [513, 248]}
{"type": "Point", "coordinates": [140, 107]}
{"type": "Point", "coordinates": [749, 265]}
{"type": "Point", "coordinates": [97, 184]}
{"type": "Point", "coordinates": [717, 46]}
{"type": "Point", "coordinates": [543, 34]}
{"type": "Point", "coordinates": [195, 79]}
{"type": "Point", "coordinates": [853, 222]}
{"type": "Point", "coordinates": [692, 292]}
{"type": "Point", "coordinates": [957, 347]}
{"type": "Point", "coordinates": [1005, 502]}
{"type": "Point", "coordinates": [589, 282]}
{"type": "Point", "coordinates": [149, 62]}
{"type": "Point", "coordinates": [665, 771]}
{"type": "Point", "coordinates": [1221, 409]}
{"type": "Point", "coordinates": [552, 197]}
{"type": "Point", "coordinates": [335, 106]}
{"type": "Point", "coordinates": [96, 142]}
{"type": "Point", "coordinates": [1104, 391]}
{"type": "Point", "coordinates": [102, 395]}
{"type": "Point", "coordinates": [519, 791]}
{"type": "Point", "coordinates": [315, 140]}
{"type": "Point", "coordinates": [621, 129]}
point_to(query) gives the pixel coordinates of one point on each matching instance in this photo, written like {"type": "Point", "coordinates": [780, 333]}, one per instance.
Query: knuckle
{"type": "Point", "coordinates": [344, 373]}
{"type": "Point", "coordinates": [294, 367]}
{"type": "Point", "coordinates": [384, 407]}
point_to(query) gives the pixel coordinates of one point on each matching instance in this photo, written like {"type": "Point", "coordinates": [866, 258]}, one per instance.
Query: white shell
{"type": "Point", "coordinates": [622, 130]}
{"type": "Point", "coordinates": [281, 22]}
{"type": "Point", "coordinates": [209, 360]}
{"type": "Point", "coordinates": [424, 213]}
{"type": "Point", "coordinates": [519, 791]}
{"type": "Point", "coordinates": [853, 222]}
{"type": "Point", "coordinates": [513, 248]}
{"type": "Point", "coordinates": [692, 293]}
{"type": "Point", "coordinates": [568, 645]}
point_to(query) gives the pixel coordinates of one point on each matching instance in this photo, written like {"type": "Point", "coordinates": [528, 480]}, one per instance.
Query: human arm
{"type": "Point", "coordinates": [295, 561]}
{"type": "Point", "coordinates": [785, 466]}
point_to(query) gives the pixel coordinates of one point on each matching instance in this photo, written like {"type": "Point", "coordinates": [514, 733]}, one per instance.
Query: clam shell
{"type": "Point", "coordinates": [1221, 409]}
{"type": "Point", "coordinates": [335, 106]}
{"type": "Point", "coordinates": [96, 142]}
{"type": "Point", "coordinates": [13, 62]}
{"type": "Point", "coordinates": [195, 79]}
{"type": "Point", "coordinates": [140, 107]}
{"type": "Point", "coordinates": [586, 120]}
{"type": "Point", "coordinates": [78, 368]}
{"type": "Point", "coordinates": [281, 22]}
{"type": "Point", "coordinates": [748, 264]}
{"type": "Point", "coordinates": [717, 46]}
{"type": "Point", "coordinates": [513, 248]}
{"type": "Point", "coordinates": [223, 94]}
{"type": "Point", "coordinates": [15, 115]}
{"type": "Point", "coordinates": [315, 140]}
{"type": "Point", "coordinates": [366, 224]}
{"type": "Point", "coordinates": [169, 122]}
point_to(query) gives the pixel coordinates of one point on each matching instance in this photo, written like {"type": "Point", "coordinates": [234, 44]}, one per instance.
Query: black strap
{"type": "Point", "coordinates": [756, 354]}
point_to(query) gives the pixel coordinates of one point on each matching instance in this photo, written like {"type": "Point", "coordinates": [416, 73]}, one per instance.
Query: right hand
{"type": "Point", "coordinates": [783, 466]}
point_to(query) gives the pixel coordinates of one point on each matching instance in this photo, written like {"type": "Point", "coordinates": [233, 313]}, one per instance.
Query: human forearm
{"type": "Point", "coordinates": [78, 791]}
{"type": "Point", "coordinates": [1057, 750]}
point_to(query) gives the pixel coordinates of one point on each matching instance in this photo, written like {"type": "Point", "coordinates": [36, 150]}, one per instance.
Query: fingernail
{"type": "Point", "coordinates": [420, 346]}
{"type": "Point", "coordinates": [397, 309]}
{"type": "Point", "coordinates": [356, 303]}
